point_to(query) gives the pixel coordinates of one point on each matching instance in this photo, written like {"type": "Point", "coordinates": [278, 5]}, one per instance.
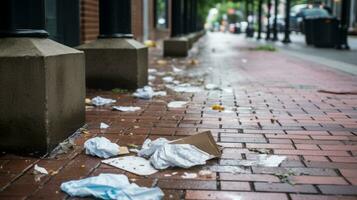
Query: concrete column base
{"type": "Point", "coordinates": [42, 92]}
{"type": "Point", "coordinates": [116, 63]}
{"type": "Point", "coordinates": [176, 47]}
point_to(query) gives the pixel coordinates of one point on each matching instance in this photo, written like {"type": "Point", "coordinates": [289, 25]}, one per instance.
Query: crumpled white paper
{"type": "Point", "coordinates": [101, 147]}
{"type": "Point", "coordinates": [151, 78]}
{"type": "Point", "coordinates": [126, 108]}
{"type": "Point", "coordinates": [168, 79]}
{"type": "Point", "coordinates": [163, 154]}
{"type": "Point", "coordinates": [184, 87]}
{"type": "Point", "coordinates": [149, 147]}
{"type": "Point", "coordinates": [39, 170]}
{"type": "Point", "coordinates": [176, 104]}
{"type": "Point", "coordinates": [147, 93]}
{"type": "Point", "coordinates": [103, 125]}
{"type": "Point", "coordinates": [110, 186]}
{"type": "Point", "coordinates": [100, 101]}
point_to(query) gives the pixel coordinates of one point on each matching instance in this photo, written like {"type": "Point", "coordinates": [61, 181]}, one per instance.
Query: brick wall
{"type": "Point", "coordinates": [89, 20]}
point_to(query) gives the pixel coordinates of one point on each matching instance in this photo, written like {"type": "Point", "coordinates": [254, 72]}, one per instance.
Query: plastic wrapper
{"type": "Point", "coordinates": [126, 108]}
{"type": "Point", "coordinates": [147, 93]}
{"type": "Point", "coordinates": [176, 104]}
{"type": "Point", "coordinates": [110, 186]}
{"type": "Point", "coordinates": [100, 101]}
{"type": "Point", "coordinates": [149, 147]}
{"type": "Point", "coordinates": [101, 147]}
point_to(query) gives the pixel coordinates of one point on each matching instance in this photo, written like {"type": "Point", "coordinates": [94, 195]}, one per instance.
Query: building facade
{"type": "Point", "coordinates": [75, 22]}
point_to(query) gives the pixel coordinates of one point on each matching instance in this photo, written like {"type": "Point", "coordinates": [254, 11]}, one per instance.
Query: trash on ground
{"type": "Point", "coordinates": [100, 101]}
{"type": "Point", "coordinates": [66, 146]}
{"type": "Point", "coordinates": [151, 78]}
{"type": "Point", "coordinates": [39, 170]}
{"type": "Point", "coordinates": [211, 86]}
{"type": "Point", "coordinates": [134, 164]}
{"type": "Point", "coordinates": [168, 79]}
{"type": "Point", "coordinates": [126, 108]}
{"type": "Point", "coordinates": [205, 173]}
{"type": "Point", "coordinates": [152, 71]}
{"type": "Point", "coordinates": [161, 62]}
{"type": "Point", "coordinates": [103, 125]}
{"type": "Point", "coordinates": [263, 160]}
{"type": "Point", "coordinates": [286, 177]}
{"type": "Point", "coordinates": [261, 151]}
{"type": "Point", "coordinates": [189, 175]}
{"type": "Point", "coordinates": [193, 62]}
{"type": "Point", "coordinates": [101, 147]}
{"type": "Point", "coordinates": [147, 93]}
{"type": "Point", "coordinates": [217, 107]}
{"type": "Point", "coordinates": [110, 186]}
{"type": "Point", "coordinates": [176, 104]}
{"type": "Point", "coordinates": [88, 101]}
{"type": "Point", "coordinates": [176, 70]}
{"type": "Point", "coordinates": [185, 152]}
{"type": "Point", "coordinates": [185, 87]}
{"type": "Point", "coordinates": [229, 169]}
{"type": "Point", "coordinates": [150, 43]}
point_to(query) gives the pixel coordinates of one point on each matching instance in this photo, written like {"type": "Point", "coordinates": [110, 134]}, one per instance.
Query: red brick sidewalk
{"type": "Point", "coordinates": [276, 109]}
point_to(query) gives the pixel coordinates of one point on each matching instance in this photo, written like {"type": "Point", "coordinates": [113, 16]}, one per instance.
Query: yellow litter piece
{"type": "Point", "coordinates": [193, 62]}
{"type": "Point", "coordinates": [88, 101]}
{"type": "Point", "coordinates": [150, 43]}
{"type": "Point", "coordinates": [162, 62]}
{"type": "Point", "coordinates": [217, 107]}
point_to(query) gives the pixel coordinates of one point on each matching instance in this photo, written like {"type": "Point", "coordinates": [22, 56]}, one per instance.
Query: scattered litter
{"type": "Point", "coordinates": [178, 155]}
{"type": "Point", "coordinates": [150, 43]}
{"type": "Point", "coordinates": [229, 169]}
{"type": "Point", "coordinates": [99, 101]}
{"type": "Point", "coordinates": [110, 186]}
{"type": "Point", "coordinates": [261, 151]}
{"type": "Point", "coordinates": [152, 71]}
{"type": "Point", "coordinates": [286, 177]}
{"type": "Point", "coordinates": [39, 170]}
{"type": "Point", "coordinates": [168, 79]}
{"type": "Point", "coordinates": [193, 62]}
{"type": "Point", "coordinates": [205, 173]}
{"type": "Point", "coordinates": [147, 93]}
{"type": "Point", "coordinates": [149, 147]}
{"type": "Point", "coordinates": [263, 160]}
{"type": "Point", "coordinates": [184, 88]}
{"type": "Point", "coordinates": [244, 60]}
{"type": "Point", "coordinates": [66, 146]}
{"type": "Point", "coordinates": [103, 125]}
{"type": "Point", "coordinates": [176, 70]}
{"type": "Point", "coordinates": [174, 173]}
{"type": "Point", "coordinates": [189, 175]}
{"type": "Point", "coordinates": [161, 62]}
{"type": "Point", "coordinates": [176, 82]}
{"type": "Point", "coordinates": [217, 107]}
{"type": "Point", "coordinates": [176, 104]}
{"type": "Point", "coordinates": [101, 147]}
{"type": "Point", "coordinates": [151, 78]}
{"type": "Point", "coordinates": [126, 108]}
{"type": "Point", "coordinates": [211, 86]}
{"type": "Point", "coordinates": [88, 101]}
{"type": "Point", "coordinates": [167, 175]}
{"type": "Point", "coordinates": [133, 164]}
{"type": "Point", "coordinates": [186, 152]}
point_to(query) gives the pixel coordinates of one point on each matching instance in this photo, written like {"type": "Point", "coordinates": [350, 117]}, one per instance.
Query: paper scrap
{"type": "Point", "coordinates": [134, 164]}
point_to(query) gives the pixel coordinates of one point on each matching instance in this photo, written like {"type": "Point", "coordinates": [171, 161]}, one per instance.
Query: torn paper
{"type": "Point", "coordinates": [126, 108]}
{"type": "Point", "coordinates": [133, 164]}
{"type": "Point", "coordinates": [99, 101]}
{"type": "Point", "coordinates": [39, 170]}
{"type": "Point", "coordinates": [147, 93]}
{"type": "Point", "coordinates": [103, 125]}
{"type": "Point", "coordinates": [176, 104]}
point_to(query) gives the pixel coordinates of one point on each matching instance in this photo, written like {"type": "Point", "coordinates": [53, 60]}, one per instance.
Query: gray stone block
{"type": "Point", "coordinates": [176, 47]}
{"type": "Point", "coordinates": [42, 92]}
{"type": "Point", "coordinates": [116, 63]}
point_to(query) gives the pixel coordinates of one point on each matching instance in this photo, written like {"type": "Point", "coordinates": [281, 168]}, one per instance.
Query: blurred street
{"type": "Point", "coordinates": [274, 103]}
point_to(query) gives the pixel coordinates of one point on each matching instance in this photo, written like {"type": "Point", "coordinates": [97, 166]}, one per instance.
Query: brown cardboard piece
{"type": "Point", "coordinates": [204, 141]}
{"type": "Point", "coordinates": [123, 151]}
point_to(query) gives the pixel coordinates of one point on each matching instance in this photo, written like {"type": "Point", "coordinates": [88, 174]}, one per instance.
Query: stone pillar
{"type": "Point", "coordinates": [260, 2]}
{"type": "Point", "coordinates": [268, 19]}
{"type": "Point", "coordinates": [275, 25]}
{"type": "Point", "coordinates": [177, 45]}
{"type": "Point", "coordinates": [42, 84]}
{"type": "Point", "coordinates": [115, 59]}
{"type": "Point", "coordinates": [286, 39]}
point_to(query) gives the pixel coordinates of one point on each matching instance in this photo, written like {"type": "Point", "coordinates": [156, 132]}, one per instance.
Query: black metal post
{"type": "Point", "coordinates": [260, 3]}
{"type": "Point", "coordinates": [268, 18]}
{"type": "Point", "coordinates": [345, 18]}
{"type": "Point", "coordinates": [287, 22]}
{"type": "Point", "coordinates": [22, 18]}
{"type": "Point", "coordinates": [115, 19]}
{"type": "Point", "coordinates": [194, 15]}
{"type": "Point", "coordinates": [177, 18]}
{"type": "Point", "coordinates": [275, 25]}
{"type": "Point", "coordinates": [187, 16]}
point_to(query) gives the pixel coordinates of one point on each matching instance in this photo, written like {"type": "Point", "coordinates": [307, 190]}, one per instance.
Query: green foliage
{"type": "Point", "coordinates": [264, 48]}
{"type": "Point", "coordinates": [119, 90]}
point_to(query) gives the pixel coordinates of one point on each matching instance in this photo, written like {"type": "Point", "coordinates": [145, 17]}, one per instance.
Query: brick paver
{"type": "Point", "coordinates": [275, 107]}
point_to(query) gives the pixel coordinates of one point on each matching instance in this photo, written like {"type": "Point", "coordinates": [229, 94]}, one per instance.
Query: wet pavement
{"type": "Point", "coordinates": [272, 105]}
